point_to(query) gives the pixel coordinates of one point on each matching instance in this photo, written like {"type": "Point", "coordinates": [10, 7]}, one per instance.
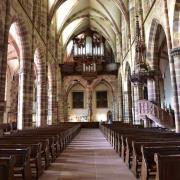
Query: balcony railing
{"type": "Point", "coordinates": [155, 113]}
{"type": "Point", "coordinates": [80, 69]}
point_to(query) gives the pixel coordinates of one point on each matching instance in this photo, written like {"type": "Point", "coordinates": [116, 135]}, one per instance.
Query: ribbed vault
{"type": "Point", "coordinates": [74, 16]}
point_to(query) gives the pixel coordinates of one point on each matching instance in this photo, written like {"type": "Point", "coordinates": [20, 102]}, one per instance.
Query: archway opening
{"type": "Point", "coordinates": [165, 85]}
{"type": "Point", "coordinates": [160, 90]}
{"type": "Point", "coordinates": [12, 77]}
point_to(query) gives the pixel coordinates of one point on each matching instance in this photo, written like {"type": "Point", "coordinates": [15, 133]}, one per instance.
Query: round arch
{"type": "Point", "coordinates": [24, 114]}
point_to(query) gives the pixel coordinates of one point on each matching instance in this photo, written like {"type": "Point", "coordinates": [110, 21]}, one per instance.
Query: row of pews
{"type": "Point", "coordinates": [150, 153]}
{"type": "Point", "coordinates": [25, 154]}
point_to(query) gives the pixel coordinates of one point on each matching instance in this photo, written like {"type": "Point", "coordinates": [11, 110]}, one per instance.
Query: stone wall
{"type": "Point", "coordinates": [31, 21]}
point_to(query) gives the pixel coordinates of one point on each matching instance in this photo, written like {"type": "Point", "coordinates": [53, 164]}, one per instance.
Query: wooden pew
{"type": "Point", "coordinates": [117, 136]}
{"type": "Point", "coordinates": [59, 134]}
{"type": "Point", "coordinates": [7, 167]}
{"type": "Point", "coordinates": [35, 155]}
{"type": "Point", "coordinates": [149, 168]}
{"type": "Point", "coordinates": [122, 138]}
{"type": "Point", "coordinates": [6, 127]}
{"type": "Point", "coordinates": [168, 166]}
{"type": "Point", "coordinates": [147, 136]}
{"type": "Point", "coordinates": [22, 159]}
{"type": "Point", "coordinates": [137, 152]}
{"type": "Point", "coordinates": [65, 133]}
{"type": "Point", "coordinates": [49, 138]}
{"type": "Point", "coordinates": [133, 147]}
{"type": "Point", "coordinates": [39, 138]}
{"type": "Point", "coordinates": [44, 149]}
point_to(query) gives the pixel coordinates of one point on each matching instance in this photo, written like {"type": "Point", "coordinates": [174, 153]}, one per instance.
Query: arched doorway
{"type": "Point", "coordinates": [22, 100]}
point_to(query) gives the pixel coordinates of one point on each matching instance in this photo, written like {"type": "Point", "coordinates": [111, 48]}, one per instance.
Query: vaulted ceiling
{"type": "Point", "coordinates": [74, 16]}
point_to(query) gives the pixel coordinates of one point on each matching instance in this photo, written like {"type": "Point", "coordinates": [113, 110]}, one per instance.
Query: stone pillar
{"type": "Point", "coordinates": [90, 111]}
{"type": "Point", "coordinates": [3, 67]}
{"type": "Point", "coordinates": [14, 99]}
{"type": "Point", "coordinates": [114, 109]}
{"type": "Point", "coordinates": [60, 107]}
{"type": "Point", "coordinates": [25, 98]}
{"type": "Point", "coordinates": [128, 118]}
{"type": "Point", "coordinates": [54, 103]}
{"type": "Point", "coordinates": [175, 76]}
{"type": "Point", "coordinates": [138, 95]}
{"type": "Point", "coordinates": [66, 107]}
{"type": "Point", "coordinates": [120, 101]}
{"type": "Point", "coordinates": [2, 91]}
{"type": "Point", "coordinates": [120, 107]}
{"type": "Point", "coordinates": [153, 90]}
{"type": "Point", "coordinates": [49, 107]}
{"type": "Point", "coordinates": [5, 21]}
{"type": "Point", "coordinates": [43, 101]}
{"type": "Point", "coordinates": [130, 102]}
{"type": "Point", "coordinates": [125, 107]}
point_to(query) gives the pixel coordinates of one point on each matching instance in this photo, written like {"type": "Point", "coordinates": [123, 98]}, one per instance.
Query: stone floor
{"type": "Point", "coordinates": [88, 157]}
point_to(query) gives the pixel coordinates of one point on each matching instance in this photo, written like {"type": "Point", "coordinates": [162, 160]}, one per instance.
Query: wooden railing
{"type": "Point", "coordinates": [155, 113]}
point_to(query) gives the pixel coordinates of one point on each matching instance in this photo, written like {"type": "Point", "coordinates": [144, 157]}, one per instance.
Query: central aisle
{"type": "Point", "coordinates": [88, 157]}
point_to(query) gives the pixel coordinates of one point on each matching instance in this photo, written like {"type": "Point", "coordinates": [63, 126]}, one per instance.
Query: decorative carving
{"type": "Point", "coordinates": [157, 114]}
{"type": "Point", "coordinates": [142, 70]}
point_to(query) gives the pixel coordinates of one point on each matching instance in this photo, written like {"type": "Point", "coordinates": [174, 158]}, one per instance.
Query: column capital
{"type": "Point", "coordinates": [175, 52]}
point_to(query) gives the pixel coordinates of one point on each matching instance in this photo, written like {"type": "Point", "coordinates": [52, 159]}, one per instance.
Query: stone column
{"type": "Point", "coordinates": [153, 89]}
{"type": "Point", "coordinates": [90, 112]}
{"type": "Point", "coordinates": [2, 92]}
{"type": "Point", "coordinates": [3, 67]}
{"type": "Point", "coordinates": [49, 106]}
{"type": "Point", "coordinates": [43, 102]}
{"type": "Point", "coordinates": [25, 98]}
{"type": "Point", "coordinates": [5, 22]}
{"type": "Point", "coordinates": [66, 107]}
{"type": "Point", "coordinates": [120, 101]}
{"type": "Point", "coordinates": [61, 105]}
{"type": "Point", "coordinates": [130, 102]}
{"type": "Point", "coordinates": [120, 107]}
{"type": "Point", "coordinates": [54, 103]}
{"type": "Point", "coordinates": [138, 95]}
{"type": "Point", "coordinates": [128, 118]}
{"type": "Point", "coordinates": [175, 76]}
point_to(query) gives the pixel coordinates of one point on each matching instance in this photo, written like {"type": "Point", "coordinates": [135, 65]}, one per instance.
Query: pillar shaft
{"type": "Point", "coordinates": [175, 76]}
{"type": "Point", "coordinates": [138, 95]}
